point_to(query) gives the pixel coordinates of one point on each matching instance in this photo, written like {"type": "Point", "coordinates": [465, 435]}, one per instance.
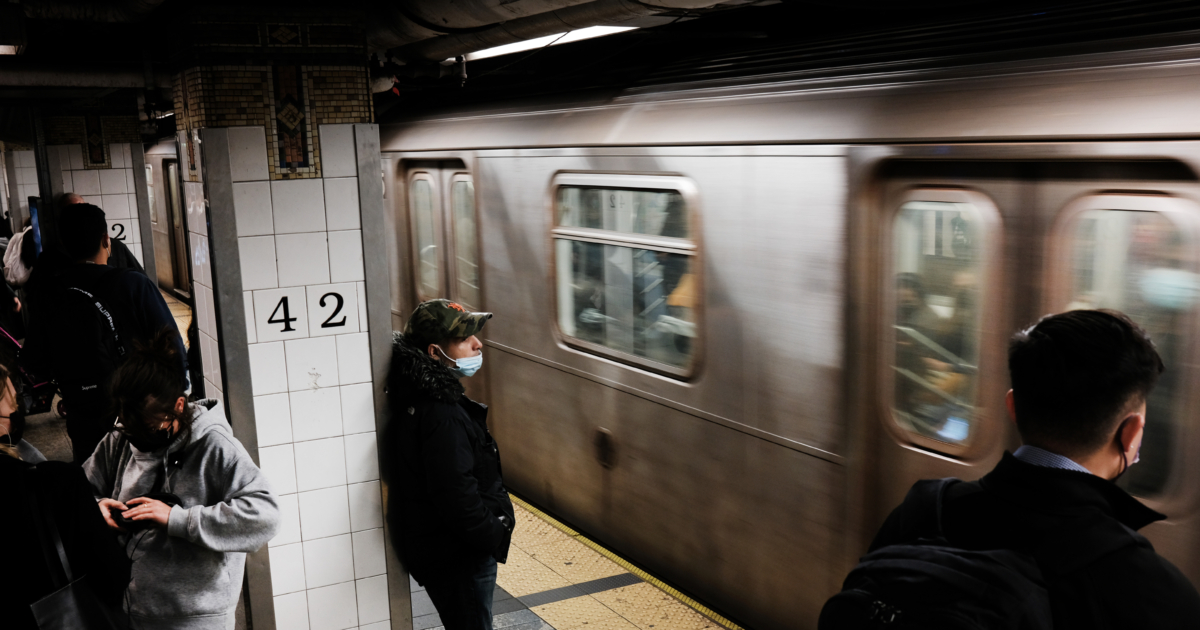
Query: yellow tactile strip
{"type": "Point", "coordinates": [547, 554]}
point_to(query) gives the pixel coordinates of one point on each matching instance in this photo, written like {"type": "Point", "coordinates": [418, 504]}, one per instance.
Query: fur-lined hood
{"type": "Point", "coordinates": [414, 373]}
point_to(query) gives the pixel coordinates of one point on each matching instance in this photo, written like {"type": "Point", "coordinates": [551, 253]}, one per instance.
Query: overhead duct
{"type": "Point", "coordinates": [597, 13]}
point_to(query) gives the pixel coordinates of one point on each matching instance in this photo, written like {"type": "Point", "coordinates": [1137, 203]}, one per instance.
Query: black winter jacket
{"type": "Point", "coordinates": [1022, 506]}
{"type": "Point", "coordinates": [91, 547]}
{"type": "Point", "coordinates": [445, 490]}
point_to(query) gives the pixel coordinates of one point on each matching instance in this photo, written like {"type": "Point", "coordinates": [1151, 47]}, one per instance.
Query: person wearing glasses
{"type": "Point", "coordinates": [182, 491]}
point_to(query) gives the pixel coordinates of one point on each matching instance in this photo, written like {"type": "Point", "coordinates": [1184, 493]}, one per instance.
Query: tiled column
{"type": "Point", "coordinates": [302, 299]}
{"type": "Point", "coordinates": [22, 181]}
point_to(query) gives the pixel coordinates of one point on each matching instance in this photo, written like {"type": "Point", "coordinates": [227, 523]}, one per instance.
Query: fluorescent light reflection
{"type": "Point", "coordinates": [530, 44]}
{"type": "Point", "coordinates": [9, 50]}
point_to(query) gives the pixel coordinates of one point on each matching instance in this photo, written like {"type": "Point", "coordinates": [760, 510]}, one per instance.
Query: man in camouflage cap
{"type": "Point", "coordinates": [450, 517]}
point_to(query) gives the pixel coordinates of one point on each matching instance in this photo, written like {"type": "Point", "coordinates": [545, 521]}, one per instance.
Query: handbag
{"type": "Point", "coordinates": [73, 605]}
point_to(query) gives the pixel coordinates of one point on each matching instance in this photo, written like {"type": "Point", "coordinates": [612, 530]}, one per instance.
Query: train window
{"type": "Point", "coordinates": [627, 269]}
{"type": "Point", "coordinates": [466, 248]}
{"type": "Point", "coordinates": [150, 193]}
{"type": "Point", "coordinates": [1140, 262]}
{"type": "Point", "coordinates": [424, 216]}
{"type": "Point", "coordinates": [938, 266]}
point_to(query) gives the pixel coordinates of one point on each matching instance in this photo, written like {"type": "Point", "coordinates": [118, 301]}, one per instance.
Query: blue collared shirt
{"type": "Point", "coordinates": [1046, 459]}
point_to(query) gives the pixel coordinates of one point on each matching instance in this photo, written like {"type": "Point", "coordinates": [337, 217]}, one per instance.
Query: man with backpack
{"type": "Point", "coordinates": [1046, 539]}
{"type": "Point", "coordinates": [89, 315]}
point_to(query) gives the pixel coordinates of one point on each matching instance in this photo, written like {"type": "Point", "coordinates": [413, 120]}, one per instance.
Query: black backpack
{"type": "Point", "coordinates": [930, 584]}
{"type": "Point", "coordinates": [86, 345]}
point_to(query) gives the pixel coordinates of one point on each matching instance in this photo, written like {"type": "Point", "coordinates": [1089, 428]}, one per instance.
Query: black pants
{"type": "Point", "coordinates": [85, 433]}
{"type": "Point", "coordinates": [464, 602]}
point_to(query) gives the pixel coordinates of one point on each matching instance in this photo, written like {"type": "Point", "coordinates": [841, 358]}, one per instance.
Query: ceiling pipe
{"type": "Point", "coordinates": [77, 10]}
{"type": "Point", "coordinates": [597, 13]}
{"type": "Point", "coordinates": [410, 21]}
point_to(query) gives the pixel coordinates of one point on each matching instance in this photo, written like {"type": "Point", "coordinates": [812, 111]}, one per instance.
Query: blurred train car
{"type": "Point", "coordinates": [737, 317]}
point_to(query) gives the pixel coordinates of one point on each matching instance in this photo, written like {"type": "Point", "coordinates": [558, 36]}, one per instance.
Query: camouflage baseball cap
{"type": "Point", "coordinates": [436, 320]}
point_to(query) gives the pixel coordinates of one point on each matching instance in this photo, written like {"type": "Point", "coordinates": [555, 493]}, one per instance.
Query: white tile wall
{"type": "Point", "coordinates": [333, 607]}
{"type": "Point", "coordinates": [332, 309]}
{"type": "Point", "coordinates": [312, 363]}
{"type": "Point", "coordinates": [324, 464]}
{"type": "Point", "coordinates": [362, 459]}
{"type": "Point", "coordinates": [358, 408]}
{"type": "Point", "coordinates": [257, 257]}
{"type": "Point", "coordinates": [303, 258]}
{"type": "Point", "coordinates": [115, 207]}
{"type": "Point", "coordinates": [287, 569]}
{"type": "Point", "coordinates": [268, 369]}
{"type": "Point", "coordinates": [75, 155]}
{"type": "Point", "coordinates": [301, 241]}
{"type": "Point", "coordinates": [112, 181]}
{"type": "Point", "coordinates": [279, 465]}
{"type": "Point", "coordinates": [252, 208]}
{"type": "Point", "coordinates": [354, 358]}
{"type": "Point", "coordinates": [248, 305]}
{"type": "Point", "coordinates": [316, 413]}
{"type": "Point", "coordinates": [86, 182]}
{"type": "Point", "coordinates": [345, 256]}
{"type": "Point", "coordinates": [366, 506]}
{"type": "Point", "coordinates": [289, 520]}
{"type": "Point", "coordinates": [272, 416]}
{"type": "Point", "coordinates": [370, 558]}
{"type": "Point", "coordinates": [291, 611]}
{"type": "Point", "coordinates": [341, 203]}
{"type": "Point", "coordinates": [298, 205]}
{"type": "Point", "coordinates": [116, 157]}
{"type": "Point", "coordinates": [248, 153]}
{"type": "Point", "coordinates": [68, 184]}
{"type": "Point", "coordinates": [337, 151]}
{"type": "Point", "coordinates": [324, 513]}
{"type": "Point", "coordinates": [372, 599]}
{"type": "Point", "coordinates": [329, 560]}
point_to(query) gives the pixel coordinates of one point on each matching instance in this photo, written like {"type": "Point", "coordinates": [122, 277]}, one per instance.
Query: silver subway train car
{"type": "Point", "coordinates": [737, 318]}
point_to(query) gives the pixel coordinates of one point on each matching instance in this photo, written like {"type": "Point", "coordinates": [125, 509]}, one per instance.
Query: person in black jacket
{"type": "Point", "coordinates": [79, 342]}
{"type": "Point", "coordinates": [120, 257]}
{"type": "Point", "coordinates": [449, 514]}
{"type": "Point", "coordinates": [62, 491]}
{"type": "Point", "coordinates": [1079, 385]}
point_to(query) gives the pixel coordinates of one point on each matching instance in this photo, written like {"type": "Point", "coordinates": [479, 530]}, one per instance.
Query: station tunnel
{"type": "Point", "coordinates": [698, 226]}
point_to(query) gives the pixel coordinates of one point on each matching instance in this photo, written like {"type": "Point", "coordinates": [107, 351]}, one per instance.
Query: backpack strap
{"type": "Point", "coordinates": [927, 498]}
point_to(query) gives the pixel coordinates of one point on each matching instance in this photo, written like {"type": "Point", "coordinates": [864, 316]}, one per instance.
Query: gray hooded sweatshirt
{"type": "Point", "coordinates": [189, 576]}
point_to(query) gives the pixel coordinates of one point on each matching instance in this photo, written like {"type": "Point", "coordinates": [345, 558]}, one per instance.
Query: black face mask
{"type": "Point", "coordinates": [157, 440]}
{"type": "Point", "coordinates": [16, 426]}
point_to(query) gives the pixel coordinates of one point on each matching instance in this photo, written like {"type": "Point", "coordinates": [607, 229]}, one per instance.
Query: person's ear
{"type": "Point", "coordinates": [1011, 405]}
{"type": "Point", "coordinates": [106, 243]}
{"type": "Point", "coordinates": [180, 404]}
{"type": "Point", "coordinates": [432, 350]}
{"type": "Point", "coordinates": [1129, 436]}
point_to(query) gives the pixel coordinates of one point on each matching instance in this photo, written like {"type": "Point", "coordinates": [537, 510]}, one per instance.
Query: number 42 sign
{"type": "Point", "coordinates": [313, 311]}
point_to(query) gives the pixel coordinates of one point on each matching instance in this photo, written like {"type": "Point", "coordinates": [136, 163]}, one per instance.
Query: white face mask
{"type": "Point", "coordinates": [465, 367]}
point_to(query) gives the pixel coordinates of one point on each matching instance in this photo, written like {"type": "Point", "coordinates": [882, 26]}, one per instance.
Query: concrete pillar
{"type": "Point", "coordinates": [281, 172]}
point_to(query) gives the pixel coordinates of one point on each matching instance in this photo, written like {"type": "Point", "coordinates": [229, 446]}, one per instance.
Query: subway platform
{"type": "Point", "coordinates": [558, 579]}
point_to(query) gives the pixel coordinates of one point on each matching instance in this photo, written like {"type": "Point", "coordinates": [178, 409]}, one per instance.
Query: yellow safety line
{"type": "Point", "coordinates": [687, 601]}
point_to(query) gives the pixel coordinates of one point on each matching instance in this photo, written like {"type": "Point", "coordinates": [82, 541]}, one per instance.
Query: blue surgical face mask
{"type": "Point", "coordinates": [465, 367]}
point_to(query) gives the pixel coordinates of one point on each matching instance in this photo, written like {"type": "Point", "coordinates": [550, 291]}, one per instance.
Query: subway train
{"type": "Point", "coordinates": [737, 315]}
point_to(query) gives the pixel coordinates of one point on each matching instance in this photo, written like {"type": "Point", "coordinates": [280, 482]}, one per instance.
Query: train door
{"type": "Point", "coordinates": [946, 306]}
{"type": "Point", "coordinates": [176, 229]}
{"type": "Point", "coordinates": [442, 233]}
{"type": "Point", "coordinates": [969, 253]}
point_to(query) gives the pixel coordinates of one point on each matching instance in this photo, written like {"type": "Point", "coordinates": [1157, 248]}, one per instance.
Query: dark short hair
{"type": "Point", "coordinates": [82, 228]}
{"type": "Point", "coordinates": [146, 386]}
{"type": "Point", "coordinates": [1075, 373]}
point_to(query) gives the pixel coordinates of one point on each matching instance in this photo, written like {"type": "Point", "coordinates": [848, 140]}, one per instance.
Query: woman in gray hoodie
{"type": "Point", "coordinates": [189, 501]}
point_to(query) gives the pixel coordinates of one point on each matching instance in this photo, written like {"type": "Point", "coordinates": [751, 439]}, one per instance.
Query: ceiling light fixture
{"type": "Point", "coordinates": [530, 44]}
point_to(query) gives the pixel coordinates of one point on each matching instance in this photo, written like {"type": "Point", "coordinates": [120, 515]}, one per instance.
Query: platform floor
{"type": "Point", "coordinates": [181, 312]}
{"type": "Point", "coordinates": [558, 579]}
